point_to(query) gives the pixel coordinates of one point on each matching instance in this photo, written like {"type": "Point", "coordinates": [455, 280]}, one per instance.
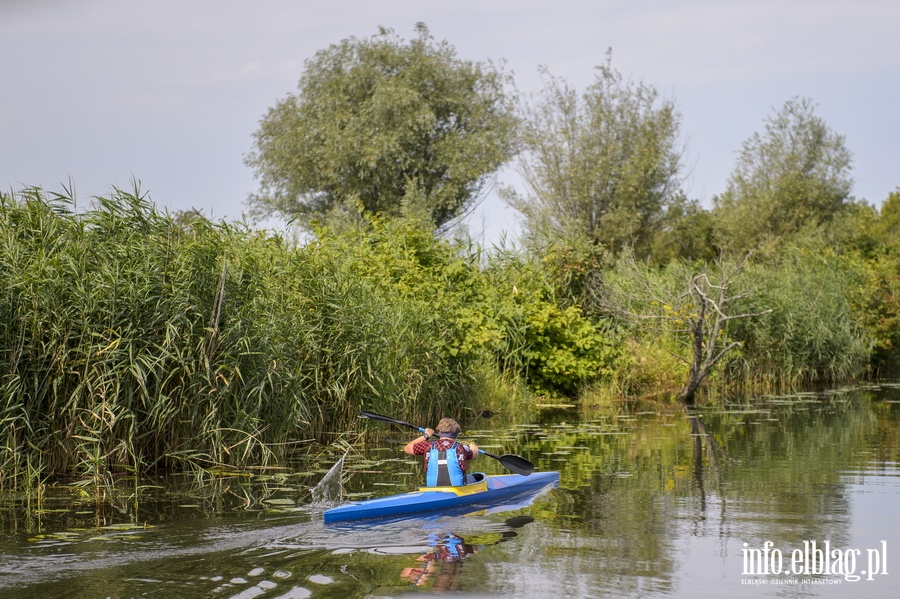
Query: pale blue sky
{"type": "Point", "coordinates": [170, 91]}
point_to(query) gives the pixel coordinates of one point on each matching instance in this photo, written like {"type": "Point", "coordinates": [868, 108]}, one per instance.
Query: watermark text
{"type": "Point", "coordinates": [813, 559]}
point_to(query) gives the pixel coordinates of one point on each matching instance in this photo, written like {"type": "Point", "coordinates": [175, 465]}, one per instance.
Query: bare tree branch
{"type": "Point", "coordinates": [696, 314]}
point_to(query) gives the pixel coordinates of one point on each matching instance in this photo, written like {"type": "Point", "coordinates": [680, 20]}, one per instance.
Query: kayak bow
{"type": "Point", "coordinates": [484, 493]}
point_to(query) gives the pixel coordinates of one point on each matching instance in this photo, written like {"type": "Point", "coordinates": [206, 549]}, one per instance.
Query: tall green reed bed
{"type": "Point", "coordinates": [814, 333]}
{"type": "Point", "coordinates": [132, 339]}
{"type": "Point", "coordinates": [808, 326]}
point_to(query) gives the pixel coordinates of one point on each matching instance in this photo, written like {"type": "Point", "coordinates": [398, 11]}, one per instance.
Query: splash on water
{"type": "Point", "coordinates": [329, 489]}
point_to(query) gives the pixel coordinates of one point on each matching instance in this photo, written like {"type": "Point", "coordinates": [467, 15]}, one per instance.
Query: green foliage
{"type": "Point", "coordinates": [813, 332]}
{"type": "Point", "coordinates": [686, 309]}
{"type": "Point", "coordinates": [601, 166]}
{"type": "Point", "coordinates": [868, 238]}
{"type": "Point", "coordinates": [888, 226]}
{"type": "Point", "coordinates": [855, 230]}
{"type": "Point", "coordinates": [877, 302]}
{"type": "Point", "coordinates": [131, 339]}
{"type": "Point", "coordinates": [569, 269]}
{"type": "Point", "coordinates": [647, 371]}
{"type": "Point", "coordinates": [506, 315]}
{"type": "Point", "coordinates": [378, 122]}
{"type": "Point", "coordinates": [874, 237]}
{"type": "Point", "coordinates": [563, 350]}
{"type": "Point", "coordinates": [794, 176]}
{"type": "Point", "coordinates": [687, 232]}
{"type": "Point", "coordinates": [408, 266]}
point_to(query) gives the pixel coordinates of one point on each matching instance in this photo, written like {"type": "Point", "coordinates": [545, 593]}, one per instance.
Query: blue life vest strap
{"type": "Point", "coordinates": [444, 468]}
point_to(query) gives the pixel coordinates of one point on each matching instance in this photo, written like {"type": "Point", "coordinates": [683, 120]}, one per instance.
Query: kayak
{"type": "Point", "coordinates": [484, 492]}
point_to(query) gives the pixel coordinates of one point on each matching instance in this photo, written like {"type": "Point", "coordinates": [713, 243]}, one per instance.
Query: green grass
{"type": "Point", "coordinates": [133, 339]}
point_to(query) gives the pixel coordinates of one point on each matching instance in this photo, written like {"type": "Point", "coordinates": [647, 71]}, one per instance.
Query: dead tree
{"type": "Point", "coordinates": [697, 316]}
{"type": "Point", "coordinates": [707, 326]}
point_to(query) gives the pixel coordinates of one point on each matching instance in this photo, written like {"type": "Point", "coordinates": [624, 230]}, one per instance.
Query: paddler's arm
{"type": "Point", "coordinates": [410, 447]}
{"type": "Point", "coordinates": [474, 449]}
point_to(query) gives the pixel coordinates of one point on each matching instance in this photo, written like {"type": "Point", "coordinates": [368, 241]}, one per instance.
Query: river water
{"type": "Point", "coordinates": [791, 496]}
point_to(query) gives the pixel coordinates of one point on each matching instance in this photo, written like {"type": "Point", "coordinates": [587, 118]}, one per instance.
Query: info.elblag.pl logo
{"type": "Point", "coordinates": [813, 559]}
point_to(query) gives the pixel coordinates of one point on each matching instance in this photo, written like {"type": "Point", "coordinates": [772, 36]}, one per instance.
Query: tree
{"type": "Point", "coordinates": [378, 122]}
{"type": "Point", "coordinates": [686, 232]}
{"type": "Point", "coordinates": [601, 166]}
{"type": "Point", "coordinates": [692, 307]}
{"type": "Point", "coordinates": [793, 176]}
{"type": "Point", "coordinates": [874, 235]}
{"type": "Point", "coordinates": [887, 228]}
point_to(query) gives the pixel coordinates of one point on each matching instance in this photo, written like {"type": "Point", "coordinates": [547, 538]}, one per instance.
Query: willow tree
{"type": "Point", "coordinates": [600, 166]}
{"type": "Point", "coordinates": [380, 123]}
{"type": "Point", "coordinates": [792, 177]}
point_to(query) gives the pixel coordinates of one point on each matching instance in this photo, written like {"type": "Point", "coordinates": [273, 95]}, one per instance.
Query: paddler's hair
{"type": "Point", "coordinates": [448, 427]}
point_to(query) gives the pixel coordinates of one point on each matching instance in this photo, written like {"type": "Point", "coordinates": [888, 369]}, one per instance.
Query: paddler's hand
{"type": "Point", "coordinates": [410, 448]}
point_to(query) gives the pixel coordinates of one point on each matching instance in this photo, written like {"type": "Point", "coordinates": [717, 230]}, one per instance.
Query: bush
{"type": "Point", "coordinates": [547, 337]}
{"type": "Point", "coordinates": [506, 314]}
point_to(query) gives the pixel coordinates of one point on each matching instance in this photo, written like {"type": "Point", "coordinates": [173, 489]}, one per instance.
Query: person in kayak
{"type": "Point", "coordinates": [445, 459]}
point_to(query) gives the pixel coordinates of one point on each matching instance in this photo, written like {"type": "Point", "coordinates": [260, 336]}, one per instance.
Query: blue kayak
{"type": "Point", "coordinates": [484, 492]}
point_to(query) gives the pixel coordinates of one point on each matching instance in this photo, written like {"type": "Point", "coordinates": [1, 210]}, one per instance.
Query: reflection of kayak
{"type": "Point", "coordinates": [484, 493]}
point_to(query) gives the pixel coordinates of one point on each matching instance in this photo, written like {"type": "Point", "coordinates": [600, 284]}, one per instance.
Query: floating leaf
{"type": "Point", "coordinates": [277, 501]}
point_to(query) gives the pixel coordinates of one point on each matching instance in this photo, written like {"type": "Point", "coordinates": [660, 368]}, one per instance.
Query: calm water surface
{"type": "Point", "coordinates": [788, 497]}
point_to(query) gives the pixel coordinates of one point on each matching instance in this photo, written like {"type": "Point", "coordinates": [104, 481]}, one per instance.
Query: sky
{"type": "Point", "coordinates": [100, 93]}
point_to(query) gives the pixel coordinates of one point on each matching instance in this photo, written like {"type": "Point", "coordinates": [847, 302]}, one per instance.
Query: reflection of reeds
{"type": "Point", "coordinates": [132, 339]}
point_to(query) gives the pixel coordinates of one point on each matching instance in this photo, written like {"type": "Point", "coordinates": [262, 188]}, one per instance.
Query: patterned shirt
{"type": "Point", "coordinates": [465, 454]}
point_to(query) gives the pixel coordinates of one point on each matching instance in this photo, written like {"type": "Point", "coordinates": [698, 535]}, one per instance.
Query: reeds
{"type": "Point", "coordinates": [132, 339]}
{"type": "Point", "coordinates": [813, 334]}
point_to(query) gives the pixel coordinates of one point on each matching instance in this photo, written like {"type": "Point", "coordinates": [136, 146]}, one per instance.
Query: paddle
{"type": "Point", "coordinates": [513, 463]}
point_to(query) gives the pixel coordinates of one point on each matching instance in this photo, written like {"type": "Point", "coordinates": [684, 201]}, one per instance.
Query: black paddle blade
{"type": "Point", "coordinates": [513, 463]}
{"type": "Point", "coordinates": [374, 416]}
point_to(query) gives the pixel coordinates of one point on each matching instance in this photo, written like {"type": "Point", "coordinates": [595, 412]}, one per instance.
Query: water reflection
{"type": "Point", "coordinates": [443, 563]}
{"type": "Point", "coordinates": [661, 504]}
{"type": "Point", "coordinates": [439, 569]}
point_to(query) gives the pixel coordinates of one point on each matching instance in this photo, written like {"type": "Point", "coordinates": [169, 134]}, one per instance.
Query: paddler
{"type": "Point", "coordinates": [445, 458]}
